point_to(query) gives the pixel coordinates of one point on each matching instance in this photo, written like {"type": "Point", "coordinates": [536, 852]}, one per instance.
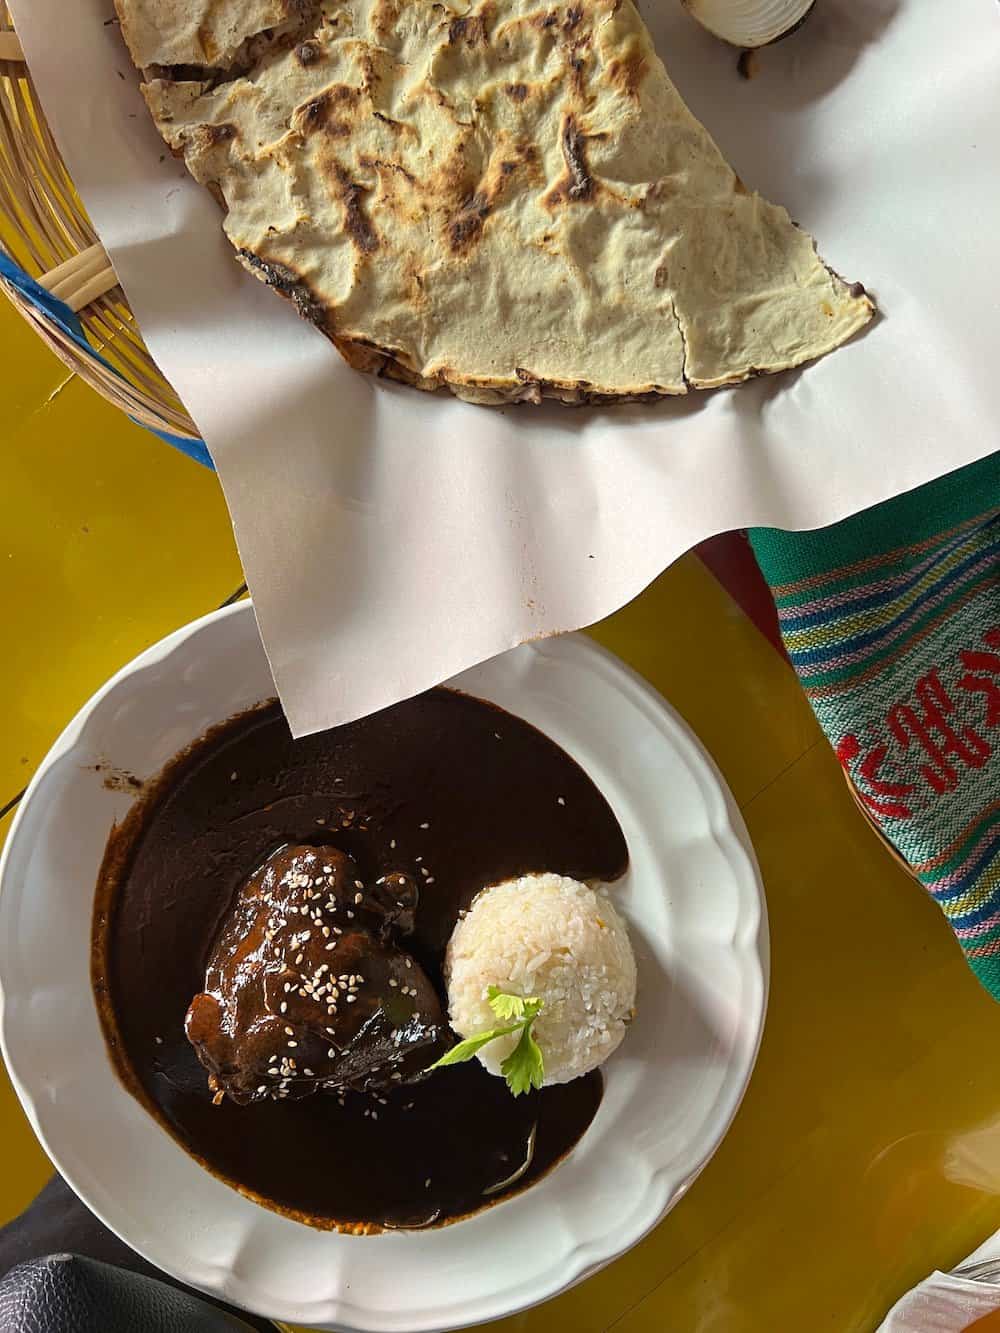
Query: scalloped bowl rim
{"type": "Point", "coordinates": [562, 676]}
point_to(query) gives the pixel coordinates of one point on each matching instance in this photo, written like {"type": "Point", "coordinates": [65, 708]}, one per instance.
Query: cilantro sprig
{"type": "Point", "coordinates": [524, 1068]}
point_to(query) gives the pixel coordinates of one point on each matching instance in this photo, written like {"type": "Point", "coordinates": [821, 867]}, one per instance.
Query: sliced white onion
{"type": "Point", "coordinates": [748, 23]}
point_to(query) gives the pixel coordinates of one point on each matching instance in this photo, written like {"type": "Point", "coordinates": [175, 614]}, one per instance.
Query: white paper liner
{"type": "Point", "coordinates": [391, 538]}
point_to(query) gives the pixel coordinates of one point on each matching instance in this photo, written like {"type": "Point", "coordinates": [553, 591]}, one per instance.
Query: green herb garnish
{"type": "Point", "coordinates": [524, 1068]}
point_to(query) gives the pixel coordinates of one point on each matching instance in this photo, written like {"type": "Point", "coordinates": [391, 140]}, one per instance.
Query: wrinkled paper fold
{"type": "Point", "coordinates": [392, 538]}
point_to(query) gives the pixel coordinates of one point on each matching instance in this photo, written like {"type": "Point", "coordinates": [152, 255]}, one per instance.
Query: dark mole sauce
{"type": "Point", "coordinates": [466, 792]}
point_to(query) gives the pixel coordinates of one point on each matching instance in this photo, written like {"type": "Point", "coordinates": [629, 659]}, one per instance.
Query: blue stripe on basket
{"type": "Point", "coordinates": [61, 315]}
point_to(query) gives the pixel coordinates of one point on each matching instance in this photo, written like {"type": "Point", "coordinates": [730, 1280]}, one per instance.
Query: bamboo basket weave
{"type": "Point", "coordinates": [45, 230]}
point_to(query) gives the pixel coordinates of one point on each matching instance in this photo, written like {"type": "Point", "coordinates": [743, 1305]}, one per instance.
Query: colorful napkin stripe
{"type": "Point", "coordinates": [892, 621]}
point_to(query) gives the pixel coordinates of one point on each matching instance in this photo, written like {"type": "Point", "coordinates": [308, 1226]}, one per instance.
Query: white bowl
{"type": "Point", "coordinates": [694, 902]}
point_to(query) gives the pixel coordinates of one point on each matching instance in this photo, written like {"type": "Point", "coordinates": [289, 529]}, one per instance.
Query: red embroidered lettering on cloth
{"type": "Point", "coordinates": [938, 739]}
{"type": "Point", "coordinates": [977, 662]}
{"type": "Point", "coordinates": [926, 724]}
{"type": "Point", "coordinates": [848, 749]}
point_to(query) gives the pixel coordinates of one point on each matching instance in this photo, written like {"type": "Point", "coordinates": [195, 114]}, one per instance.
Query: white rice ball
{"type": "Point", "coordinates": [555, 938]}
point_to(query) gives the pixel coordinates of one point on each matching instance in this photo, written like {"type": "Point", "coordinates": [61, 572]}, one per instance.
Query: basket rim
{"type": "Point", "coordinates": [45, 230]}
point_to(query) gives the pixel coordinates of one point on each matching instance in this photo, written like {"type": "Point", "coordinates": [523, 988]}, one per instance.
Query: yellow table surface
{"type": "Point", "coordinates": [867, 1149]}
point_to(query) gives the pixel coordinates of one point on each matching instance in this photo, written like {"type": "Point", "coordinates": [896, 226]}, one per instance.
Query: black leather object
{"type": "Point", "coordinates": [44, 1289]}
{"type": "Point", "coordinates": [67, 1294]}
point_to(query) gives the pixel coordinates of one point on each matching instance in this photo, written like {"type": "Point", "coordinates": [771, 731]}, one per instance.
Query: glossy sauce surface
{"type": "Point", "coordinates": [443, 787]}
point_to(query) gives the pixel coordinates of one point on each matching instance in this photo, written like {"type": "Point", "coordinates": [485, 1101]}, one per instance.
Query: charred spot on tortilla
{"type": "Point", "coordinates": [574, 151]}
{"type": "Point", "coordinates": [286, 282]}
{"type": "Point", "coordinates": [465, 229]}
{"type": "Point", "coordinates": [216, 134]}
{"type": "Point", "coordinates": [356, 222]}
{"type": "Point", "coordinates": [627, 71]}
{"type": "Point", "coordinates": [496, 148]}
{"type": "Point", "coordinates": [471, 30]}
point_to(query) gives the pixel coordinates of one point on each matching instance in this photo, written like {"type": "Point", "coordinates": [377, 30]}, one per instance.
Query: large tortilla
{"type": "Point", "coordinates": [509, 199]}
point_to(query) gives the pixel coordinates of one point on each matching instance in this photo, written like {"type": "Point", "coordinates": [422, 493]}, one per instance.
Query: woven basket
{"type": "Point", "coordinates": [46, 232]}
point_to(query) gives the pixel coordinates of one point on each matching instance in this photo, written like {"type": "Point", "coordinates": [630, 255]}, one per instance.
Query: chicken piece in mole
{"type": "Point", "coordinates": [306, 989]}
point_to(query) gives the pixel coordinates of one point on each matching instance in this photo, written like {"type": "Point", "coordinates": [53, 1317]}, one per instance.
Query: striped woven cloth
{"type": "Point", "coordinates": [892, 621]}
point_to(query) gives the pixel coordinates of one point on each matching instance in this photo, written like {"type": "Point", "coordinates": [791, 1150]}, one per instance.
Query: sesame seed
{"type": "Point", "coordinates": [289, 1032]}
{"type": "Point", "coordinates": [560, 800]}
{"type": "Point", "coordinates": [393, 982]}
{"type": "Point", "coordinates": [332, 1052]}
{"type": "Point", "coordinates": [427, 1183]}
{"type": "Point", "coordinates": [402, 879]}
{"type": "Point", "coordinates": [308, 1073]}
{"type": "Point", "coordinates": [358, 898]}
{"type": "Point", "coordinates": [430, 879]}
{"type": "Point", "coordinates": [320, 821]}
{"type": "Point", "coordinates": [425, 825]}
{"type": "Point", "coordinates": [292, 1045]}
{"type": "Point", "coordinates": [158, 1040]}
{"type": "Point", "coordinates": [351, 999]}
{"type": "Point", "coordinates": [326, 932]}
{"type": "Point", "coordinates": [284, 1006]}
{"type": "Point", "coordinates": [262, 1088]}
{"type": "Point", "coordinates": [233, 777]}
{"type": "Point", "coordinates": [408, 961]}
{"type": "Point", "coordinates": [418, 859]}
{"type": "Point", "coordinates": [331, 945]}
{"type": "Point", "coordinates": [298, 958]}
{"type": "Point", "coordinates": [392, 844]}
